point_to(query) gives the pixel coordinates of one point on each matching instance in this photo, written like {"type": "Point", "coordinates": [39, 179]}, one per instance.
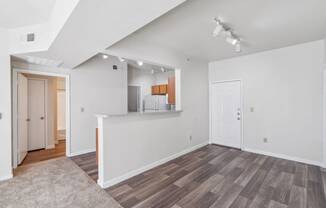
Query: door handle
{"type": "Point", "coordinates": [42, 118]}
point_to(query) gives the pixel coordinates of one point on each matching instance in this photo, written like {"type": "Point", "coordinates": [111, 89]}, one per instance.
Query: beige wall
{"type": "Point", "coordinates": [61, 104]}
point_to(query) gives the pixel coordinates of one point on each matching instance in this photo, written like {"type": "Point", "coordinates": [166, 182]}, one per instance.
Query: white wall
{"type": "Point", "coordinates": [135, 141]}
{"type": "Point", "coordinates": [284, 87]}
{"type": "Point", "coordinates": [5, 108]}
{"type": "Point", "coordinates": [163, 77]}
{"type": "Point", "coordinates": [96, 88]}
{"type": "Point", "coordinates": [141, 77]}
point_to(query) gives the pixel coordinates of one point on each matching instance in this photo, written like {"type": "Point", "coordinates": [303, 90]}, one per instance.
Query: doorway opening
{"type": "Point", "coordinates": [40, 117]}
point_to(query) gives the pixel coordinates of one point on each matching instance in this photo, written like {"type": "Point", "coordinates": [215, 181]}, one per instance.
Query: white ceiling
{"type": "Point", "coordinates": [96, 24]}
{"type": "Point", "coordinates": [19, 13]}
{"type": "Point", "coordinates": [263, 25]}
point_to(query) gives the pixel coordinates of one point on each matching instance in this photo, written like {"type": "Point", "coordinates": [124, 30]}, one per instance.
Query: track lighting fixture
{"type": "Point", "coordinates": [230, 37]}
{"type": "Point", "coordinates": [232, 40]}
{"type": "Point", "coordinates": [219, 27]}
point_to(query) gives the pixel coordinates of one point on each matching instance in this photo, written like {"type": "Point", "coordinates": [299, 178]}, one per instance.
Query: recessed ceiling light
{"type": "Point", "coordinates": [104, 56]}
{"type": "Point", "coordinates": [140, 63]}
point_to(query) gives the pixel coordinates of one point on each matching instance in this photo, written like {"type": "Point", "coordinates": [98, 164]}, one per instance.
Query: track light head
{"type": "Point", "coordinates": [219, 27]}
{"type": "Point", "coordinates": [227, 32]}
{"type": "Point", "coordinates": [238, 47]}
{"type": "Point", "coordinates": [218, 30]}
{"type": "Point", "coordinates": [232, 40]}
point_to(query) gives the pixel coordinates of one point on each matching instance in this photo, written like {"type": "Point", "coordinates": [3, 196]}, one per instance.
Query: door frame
{"type": "Point", "coordinates": [45, 108]}
{"type": "Point", "coordinates": [15, 71]}
{"type": "Point", "coordinates": [141, 95]}
{"type": "Point", "coordinates": [211, 107]}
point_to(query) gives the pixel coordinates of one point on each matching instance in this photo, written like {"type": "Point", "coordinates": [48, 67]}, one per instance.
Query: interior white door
{"type": "Point", "coordinates": [226, 113]}
{"type": "Point", "coordinates": [36, 113]}
{"type": "Point", "coordinates": [22, 113]}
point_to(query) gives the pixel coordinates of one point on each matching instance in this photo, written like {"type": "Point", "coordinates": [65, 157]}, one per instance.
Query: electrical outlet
{"type": "Point", "coordinates": [82, 109]}
{"type": "Point", "coordinates": [252, 109]}
{"type": "Point", "coordinates": [265, 140]}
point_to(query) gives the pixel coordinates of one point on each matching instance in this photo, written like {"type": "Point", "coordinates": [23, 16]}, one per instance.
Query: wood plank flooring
{"type": "Point", "coordinates": [45, 154]}
{"type": "Point", "coordinates": [215, 176]}
{"type": "Point", "coordinates": [87, 162]}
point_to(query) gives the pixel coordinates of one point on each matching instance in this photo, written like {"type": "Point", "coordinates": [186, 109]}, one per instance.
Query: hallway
{"type": "Point", "coordinates": [45, 154]}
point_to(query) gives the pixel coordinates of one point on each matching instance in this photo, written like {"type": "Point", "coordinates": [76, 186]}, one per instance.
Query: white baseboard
{"type": "Point", "coordinates": [81, 152]}
{"type": "Point", "coordinates": [6, 177]}
{"type": "Point", "coordinates": [112, 182]}
{"type": "Point", "coordinates": [52, 146]}
{"type": "Point", "coordinates": [283, 156]}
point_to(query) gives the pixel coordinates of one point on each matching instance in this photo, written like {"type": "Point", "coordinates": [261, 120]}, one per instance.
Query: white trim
{"type": "Point", "coordinates": [46, 138]}
{"type": "Point", "coordinates": [6, 177]}
{"type": "Point", "coordinates": [241, 104]}
{"type": "Point", "coordinates": [82, 152]}
{"type": "Point", "coordinates": [177, 75]}
{"type": "Point", "coordinates": [17, 70]}
{"type": "Point", "coordinates": [130, 174]}
{"type": "Point", "coordinates": [283, 156]}
{"type": "Point", "coordinates": [141, 95]}
{"type": "Point", "coordinates": [324, 115]}
{"type": "Point", "coordinates": [100, 149]}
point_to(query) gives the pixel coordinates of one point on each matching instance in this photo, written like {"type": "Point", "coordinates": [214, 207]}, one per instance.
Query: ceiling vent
{"type": "Point", "coordinates": [30, 37]}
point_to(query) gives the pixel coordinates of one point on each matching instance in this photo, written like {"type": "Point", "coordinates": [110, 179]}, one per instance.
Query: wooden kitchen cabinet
{"type": "Point", "coordinates": [159, 89]}
{"type": "Point", "coordinates": [155, 90]}
{"type": "Point", "coordinates": [163, 89]}
{"type": "Point", "coordinates": [171, 90]}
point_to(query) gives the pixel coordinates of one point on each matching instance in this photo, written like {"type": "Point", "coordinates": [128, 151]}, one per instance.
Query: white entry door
{"type": "Point", "coordinates": [36, 113]}
{"type": "Point", "coordinates": [226, 113]}
{"type": "Point", "coordinates": [22, 117]}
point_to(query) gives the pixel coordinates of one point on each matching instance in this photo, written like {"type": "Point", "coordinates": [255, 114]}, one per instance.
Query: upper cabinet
{"type": "Point", "coordinates": [159, 89]}
{"type": "Point", "coordinates": [171, 90]}
{"type": "Point", "coordinates": [163, 89]}
{"type": "Point", "coordinates": [155, 90]}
